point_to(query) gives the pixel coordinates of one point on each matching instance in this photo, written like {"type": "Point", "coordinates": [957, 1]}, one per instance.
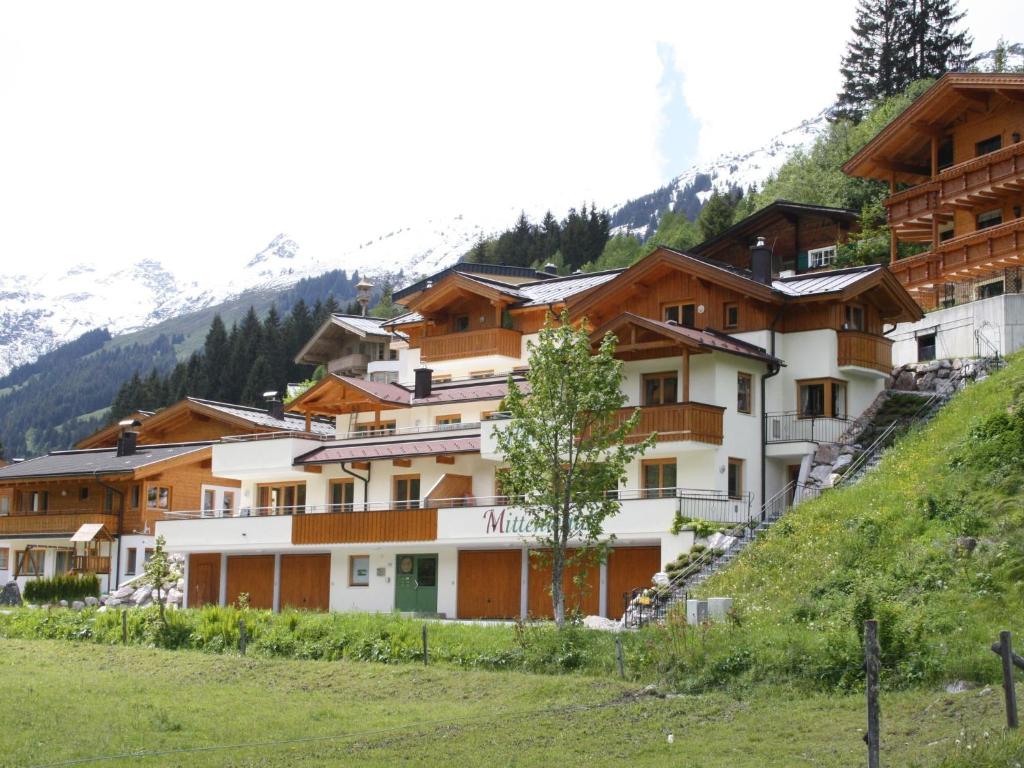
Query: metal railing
{"type": "Point", "coordinates": [967, 291]}
{"type": "Point", "coordinates": [794, 427]}
{"type": "Point", "coordinates": [356, 434]}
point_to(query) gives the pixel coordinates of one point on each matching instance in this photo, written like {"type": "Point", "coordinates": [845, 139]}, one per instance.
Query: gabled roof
{"type": "Point", "coordinates": [499, 272]}
{"type": "Point", "coordinates": [103, 462]}
{"type": "Point", "coordinates": [895, 148]}
{"type": "Point", "coordinates": [326, 338]}
{"type": "Point", "coordinates": [259, 417]}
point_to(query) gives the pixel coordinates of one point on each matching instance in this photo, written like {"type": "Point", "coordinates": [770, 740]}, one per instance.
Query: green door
{"type": "Point", "coordinates": [416, 583]}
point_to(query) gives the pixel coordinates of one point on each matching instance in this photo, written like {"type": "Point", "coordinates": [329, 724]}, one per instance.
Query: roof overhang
{"type": "Point", "coordinates": [326, 338]}
{"type": "Point", "coordinates": [454, 286]}
{"type": "Point", "coordinates": [408, 449]}
{"type": "Point", "coordinates": [90, 531]}
{"type": "Point", "coordinates": [334, 395]}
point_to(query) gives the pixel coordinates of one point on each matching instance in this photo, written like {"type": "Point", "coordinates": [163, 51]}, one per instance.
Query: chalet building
{"type": "Point", "coordinates": [355, 346]}
{"type": "Point", "coordinates": [802, 237]}
{"type": "Point", "coordinates": [118, 482]}
{"type": "Point", "coordinates": [954, 162]}
{"type": "Point", "coordinates": [740, 372]}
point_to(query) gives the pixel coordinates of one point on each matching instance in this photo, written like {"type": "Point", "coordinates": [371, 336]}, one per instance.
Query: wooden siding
{"type": "Point", "coordinates": [450, 486]}
{"type": "Point", "coordinates": [818, 316]}
{"type": "Point", "coordinates": [490, 341]}
{"type": "Point", "coordinates": [679, 421]}
{"type": "Point", "coordinates": [628, 569]}
{"type": "Point", "coordinates": [489, 584]}
{"type": "Point", "coordinates": [865, 350]}
{"type": "Point", "coordinates": [99, 564]}
{"type": "Point", "coordinates": [253, 575]}
{"type": "Point", "coordinates": [365, 527]}
{"type": "Point", "coordinates": [587, 600]}
{"type": "Point", "coordinates": [186, 483]}
{"type": "Point", "coordinates": [203, 579]}
{"type": "Point", "coordinates": [788, 236]}
{"type": "Point", "coordinates": [53, 522]}
{"type": "Point", "coordinates": [306, 582]}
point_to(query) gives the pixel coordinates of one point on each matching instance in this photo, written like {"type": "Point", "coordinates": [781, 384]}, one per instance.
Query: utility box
{"type": "Point", "coordinates": [696, 612]}
{"type": "Point", "coordinates": [719, 608]}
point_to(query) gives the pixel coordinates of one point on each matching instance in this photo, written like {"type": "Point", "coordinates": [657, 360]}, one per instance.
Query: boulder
{"type": "Point", "coordinates": [91, 601]}
{"type": "Point", "coordinates": [123, 592]}
{"type": "Point", "coordinates": [905, 381]}
{"type": "Point", "coordinates": [10, 594]}
{"type": "Point", "coordinates": [142, 594]}
{"type": "Point", "coordinates": [843, 462]}
{"type": "Point", "coordinates": [112, 602]}
{"type": "Point", "coordinates": [927, 382]}
{"type": "Point", "coordinates": [944, 373]}
{"type": "Point", "coordinates": [826, 453]}
{"type": "Point", "coordinates": [180, 584]}
{"type": "Point", "coordinates": [821, 472]}
{"type": "Point", "coordinates": [660, 579]}
{"type": "Point", "coordinates": [77, 605]}
{"type": "Point", "coordinates": [63, 603]}
{"type": "Point", "coordinates": [174, 595]}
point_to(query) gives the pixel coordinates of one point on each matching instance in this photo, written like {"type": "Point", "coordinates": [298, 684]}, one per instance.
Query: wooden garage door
{"type": "Point", "coordinates": [203, 579]}
{"type": "Point", "coordinates": [489, 583]}
{"type": "Point", "coordinates": [539, 596]}
{"type": "Point", "coordinates": [306, 582]}
{"type": "Point", "coordinates": [253, 574]}
{"type": "Point", "coordinates": [629, 568]}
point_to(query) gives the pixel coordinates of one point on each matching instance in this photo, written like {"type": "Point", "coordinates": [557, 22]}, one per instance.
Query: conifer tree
{"type": "Point", "coordinates": [716, 216]}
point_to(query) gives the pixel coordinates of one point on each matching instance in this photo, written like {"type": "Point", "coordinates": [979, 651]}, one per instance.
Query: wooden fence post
{"type": "Point", "coordinates": [872, 663]}
{"type": "Point", "coordinates": [242, 638]}
{"type": "Point", "coordinates": [618, 656]}
{"type": "Point", "coordinates": [124, 626]}
{"type": "Point", "coordinates": [1005, 650]}
{"type": "Point", "coordinates": [426, 654]}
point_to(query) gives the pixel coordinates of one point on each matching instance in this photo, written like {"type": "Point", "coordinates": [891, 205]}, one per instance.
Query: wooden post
{"type": "Point", "coordinates": [871, 667]}
{"type": "Point", "coordinates": [618, 656]}
{"type": "Point", "coordinates": [1005, 650]}
{"type": "Point", "coordinates": [242, 638]}
{"type": "Point", "coordinates": [124, 626]}
{"type": "Point", "coordinates": [426, 654]}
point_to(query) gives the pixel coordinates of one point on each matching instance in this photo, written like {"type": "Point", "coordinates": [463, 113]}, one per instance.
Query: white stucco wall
{"type": "Point", "coordinates": [998, 320]}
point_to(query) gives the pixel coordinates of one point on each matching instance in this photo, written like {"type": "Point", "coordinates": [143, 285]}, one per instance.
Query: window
{"type": "Point", "coordinates": [821, 397]}
{"type": "Point", "coordinates": [659, 478]}
{"type": "Point", "coordinates": [376, 427]}
{"type": "Point", "coordinates": [136, 496]}
{"type": "Point", "coordinates": [945, 153]}
{"type": "Point", "coordinates": [228, 502]}
{"type": "Point", "coordinates": [821, 257]}
{"type": "Point", "coordinates": [991, 144]}
{"type": "Point", "coordinates": [83, 493]}
{"type": "Point", "coordinates": [5, 505]}
{"type": "Point", "coordinates": [660, 388]}
{"type": "Point", "coordinates": [735, 478]}
{"type": "Point", "coordinates": [146, 554]}
{"type": "Point", "coordinates": [406, 492]}
{"type": "Point", "coordinates": [359, 571]}
{"type": "Point", "coordinates": [108, 500]}
{"type": "Point", "coordinates": [854, 318]}
{"type": "Point", "coordinates": [281, 498]}
{"type": "Point", "coordinates": [988, 290]}
{"type": "Point", "coordinates": [5, 558]}
{"type": "Point", "coordinates": [129, 561]}
{"type": "Point", "coordinates": [451, 418]}
{"type": "Point", "coordinates": [681, 314]}
{"type": "Point", "coordinates": [926, 347]}
{"type": "Point", "coordinates": [62, 561]}
{"type": "Point", "coordinates": [29, 562]}
{"type": "Point", "coordinates": [460, 323]}
{"type": "Point", "coordinates": [343, 495]}
{"type": "Point", "coordinates": [158, 497]}
{"type": "Point", "coordinates": [36, 501]}
{"type": "Point", "coordinates": [209, 502]}
{"type": "Point", "coordinates": [732, 315]}
{"type": "Point", "coordinates": [744, 392]}
{"type": "Point", "coordinates": [946, 232]}
{"type": "Point", "coordinates": [990, 219]}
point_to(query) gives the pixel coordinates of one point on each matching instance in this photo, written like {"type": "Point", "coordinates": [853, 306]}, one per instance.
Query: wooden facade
{"type": "Point", "coordinates": [696, 422]}
{"type": "Point", "coordinates": [49, 523]}
{"type": "Point", "coordinates": [865, 350]}
{"type": "Point", "coordinates": [365, 527]}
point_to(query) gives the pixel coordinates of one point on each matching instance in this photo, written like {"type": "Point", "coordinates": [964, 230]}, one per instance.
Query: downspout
{"type": "Point", "coordinates": [120, 525]}
{"type": "Point", "coordinates": [773, 370]}
{"type": "Point", "coordinates": [366, 481]}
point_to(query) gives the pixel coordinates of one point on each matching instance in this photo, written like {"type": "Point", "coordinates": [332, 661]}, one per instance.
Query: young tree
{"type": "Point", "coordinates": [161, 575]}
{"type": "Point", "coordinates": [565, 446]}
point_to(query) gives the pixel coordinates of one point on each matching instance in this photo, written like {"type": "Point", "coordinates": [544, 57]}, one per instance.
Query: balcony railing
{"type": "Point", "coordinates": [793, 427]}
{"type": "Point", "coordinates": [20, 523]}
{"type": "Point", "coordinates": [697, 422]}
{"type": "Point", "coordinates": [453, 346]}
{"type": "Point", "coordinates": [865, 350]}
{"type": "Point", "coordinates": [98, 564]}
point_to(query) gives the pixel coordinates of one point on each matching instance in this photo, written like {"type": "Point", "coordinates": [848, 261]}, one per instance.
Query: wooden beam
{"type": "Point", "coordinates": [900, 167]}
{"type": "Point", "coordinates": [445, 459]}
{"type": "Point", "coordinates": [934, 130]}
{"type": "Point", "coordinates": [979, 97]}
{"type": "Point", "coordinates": [1006, 93]}
{"type": "Point", "coordinates": [361, 465]}
{"type": "Point", "coordinates": [316, 469]}
{"type": "Point", "coordinates": [402, 462]}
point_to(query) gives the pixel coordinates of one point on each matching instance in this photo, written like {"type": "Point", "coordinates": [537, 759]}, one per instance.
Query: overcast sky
{"type": "Point", "coordinates": [184, 130]}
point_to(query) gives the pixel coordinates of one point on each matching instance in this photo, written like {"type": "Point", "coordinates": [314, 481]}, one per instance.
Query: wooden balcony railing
{"type": "Point", "coordinates": [911, 208]}
{"type": "Point", "coordinates": [489, 341]}
{"type": "Point", "coordinates": [53, 522]}
{"type": "Point", "coordinates": [98, 564]}
{"type": "Point", "coordinates": [365, 527]}
{"type": "Point", "coordinates": [697, 422]}
{"type": "Point", "coordinates": [865, 350]}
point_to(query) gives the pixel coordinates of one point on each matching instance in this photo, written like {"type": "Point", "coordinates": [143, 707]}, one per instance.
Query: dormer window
{"type": "Point", "coordinates": [680, 314]}
{"type": "Point", "coordinates": [821, 257]}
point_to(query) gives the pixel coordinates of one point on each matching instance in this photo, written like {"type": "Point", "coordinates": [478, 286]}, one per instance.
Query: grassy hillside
{"type": "Point", "coordinates": [897, 547]}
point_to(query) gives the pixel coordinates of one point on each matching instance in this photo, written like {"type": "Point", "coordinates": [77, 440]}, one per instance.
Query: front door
{"type": "Point", "coordinates": [416, 583]}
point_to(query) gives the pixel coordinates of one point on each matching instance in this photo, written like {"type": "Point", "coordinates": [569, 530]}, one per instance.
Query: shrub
{"type": "Point", "coordinates": [65, 587]}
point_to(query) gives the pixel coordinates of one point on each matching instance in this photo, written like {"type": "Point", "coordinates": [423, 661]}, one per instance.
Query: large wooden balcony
{"type": "Point", "coordinates": [695, 422]}
{"type": "Point", "coordinates": [865, 350]}
{"type": "Point", "coordinates": [49, 523]}
{"type": "Point", "coordinates": [489, 341]}
{"type": "Point", "coordinates": [365, 526]}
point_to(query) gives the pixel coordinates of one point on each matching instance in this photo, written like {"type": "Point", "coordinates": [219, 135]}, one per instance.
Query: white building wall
{"type": "Point", "coordinates": [978, 328]}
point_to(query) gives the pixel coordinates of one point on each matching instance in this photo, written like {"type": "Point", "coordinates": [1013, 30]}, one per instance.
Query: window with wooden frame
{"type": "Point", "coordinates": [359, 570]}
{"type": "Point", "coordinates": [460, 323]}
{"type": "Point", "coordinates": [29, 562]}
{"type": "Point", "coordinates": [853, 319]}
{"type": "Point", "coordinates": [736, 483]}
{"type": "Point", "coordinates": [343, 495]}
{"type": "Point", "coordinates": [658, 477]}
{"type": "Point", "coordinates": [817, 398]}
{"type": "Point", "coordinates": [991, 144]}
{"type": "Point", "coordinates": [731, 314]}
{"type": "Point", "coordinates": [135, 496]}
{"type": "Point", "coordinates": [35, 501]}
{"type": "Point", "coordinates": [158, 497]}
{"type": "Point", "coordinates": [405, 491]}
{"type": "Point", "coordinates": [660, 388]}
{"type": "Point", "coordinates": [83, 493]}
{"type": "Point", "coordinates": [989, 219]}
{"type": "Point", "coordinates": [281, 498]}
{"type": "Point", "coordinates": [5, 504]}
{"type": "Point", "coordinates": [450, 418]}
{"type": "Point", "coordinates": [744, 392]}
{"type": "Point", "coordinates": [684, 314]}
{"type": "Point", "coordinates": [5, 558]}
{"type": "Point", "coordinates": [376, 428]}
{"type": "Point", "coordinates": [108, 500]}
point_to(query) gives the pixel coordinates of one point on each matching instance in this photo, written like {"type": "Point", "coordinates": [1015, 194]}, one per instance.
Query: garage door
{"type": "Point", "coordinates": [587, 600]}
{"type": "Point", "coordinates": [629, 568]}
{"type": "Point", "coordinates": [203, 579]}
{"type": "Point", "coordinates": [254, 575]}
{"type": "Point", "coordinates": [306, 582]}
{"type": "Point", "coordinates": [489, 584]}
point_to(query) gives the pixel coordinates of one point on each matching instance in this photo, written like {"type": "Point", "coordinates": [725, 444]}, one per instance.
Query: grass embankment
{"type": "Point", "coordinates": [83, 701]}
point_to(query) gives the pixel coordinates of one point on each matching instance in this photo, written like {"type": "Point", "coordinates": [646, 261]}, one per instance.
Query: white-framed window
{"type": "Point", "coordinates": [219, 501]}
{"type": "Point", "coordinates": [359, 571]}
{"type": "Point", "coordinates": [821, 257]}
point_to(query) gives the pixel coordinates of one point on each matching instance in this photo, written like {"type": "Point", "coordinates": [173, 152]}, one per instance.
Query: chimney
{"type": "Point", "coordinates": [424, 381]}
{"type": "Point", "coordinates": [129, 438]}
{"type": "Point", "coordinates": [550, 269]}
{"type": "Point", "coordinates": [363, 288]}
{"type": "Point", "coordinates": [761, 262]}
{"type": "Point", "coordinates": [275, 408]}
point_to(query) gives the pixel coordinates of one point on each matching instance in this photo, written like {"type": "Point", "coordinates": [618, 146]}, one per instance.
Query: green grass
{"type": "Point", "coordinates": [80, 700]}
